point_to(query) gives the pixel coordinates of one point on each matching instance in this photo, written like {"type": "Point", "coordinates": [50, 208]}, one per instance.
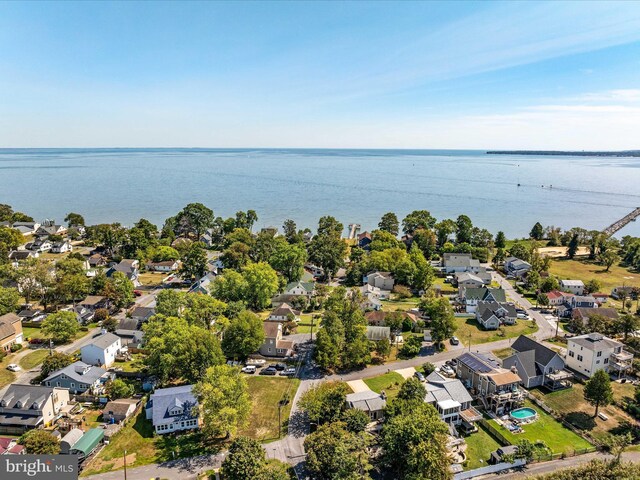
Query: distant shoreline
{"type": "Point", "coordinates": [627, 153]}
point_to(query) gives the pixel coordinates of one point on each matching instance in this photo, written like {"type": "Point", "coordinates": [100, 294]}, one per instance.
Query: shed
{"type": "Point", "coordinates": [88, 443]}
{"type": "Point", "coordinates": [69, 440]}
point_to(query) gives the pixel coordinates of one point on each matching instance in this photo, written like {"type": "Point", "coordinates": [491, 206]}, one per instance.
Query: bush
{"type": "Point", "coordinates": [402, 292]}
{"type": "Point", "coordinates": [16, 347]}
{"type": "Point", "coordinates": [411, 347]}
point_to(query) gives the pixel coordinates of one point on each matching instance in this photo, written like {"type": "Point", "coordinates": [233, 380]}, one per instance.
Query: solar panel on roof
{"type": "Point", "coordinates": [474, 363]}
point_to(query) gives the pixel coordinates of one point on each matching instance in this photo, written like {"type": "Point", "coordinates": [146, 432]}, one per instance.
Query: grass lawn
{"type": "Point", "coordinates": [402, 305]}
{"type": "Point", "coordinates": [585, 270]}
{"type": "Point", "coordinates": [143, 447]}
{"type": "Point", "coordinates": [33, 359]}
{"type": "Point", "coordinates": [265, 394]}
{"type": "Point", "coordinates": [479, 447]}
{"type": "Point", "coordinates": [306, 321]}
{"type": "Point", "coordinates": [152, 279]}
{"type": "Point", "coordinates": [571, 404]}
{"type": "Point", "coordinates": [502, 352]}
{"type": "Point", "coordinates": [470, 327]}
{"type": "Point", "coordinates": [558, 438]}
{"type": "Point", "coordinates": [6, 377]}
{"type": "Point", "coordinates": [134, 365]}
{"type": "Point", "coordinates": [32, 332]}
{"type": "Point", "coordinates": [386, 382]}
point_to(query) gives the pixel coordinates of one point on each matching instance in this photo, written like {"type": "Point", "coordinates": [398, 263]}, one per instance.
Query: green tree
{"type": "Point", "coordinates": [290, 231]}
{"type": "Point", "coordinates": [246, 459]}
{"type": "Point", "coordinates": [205, 311]}
{"type": "Point", "coordinates": [224, 401]}
{"type": "Point", "coordinates": [526, 449]}
{"type": "Point", "coordinates": [501, 240]}
{"type": "Point", "coordinates": [355, 420]}
{"type": "Point", "coordinates": [411, 347]}
{"type": "Point", "coordinates": [163, 253]}
{"type": "Point", "coordinates": [119, 290]}
{"type": "Point", "coordinates": [598, 391]}
{"type": "Point", "coordinates": [194, 262]}
{"type": "Point", "coordinates": [412, 390]}
{"type": "Point", "coordinates": [572, 248]}
{"type": "Point", "coordinates": [170, 303]}
{"type": "Point", "coordinates": [55, 361]}
{"type": "Point", "coordinates": [289, 259]}
{"type": "Point", "coordinates": [74, 220]}
{"type": "Point", "coordinates": [389, 223]}
{"type": "Point", "coordinates": [194, 220]}
{"type": "Point", "coordinates": [617, 444]}
{"type": "Point", "coordinates": [443, 230]}
{"type": "Point", "coordinates": [9, 300]}
{"type": "Point", "coordinates": [628, 324]}
{"type": "Point", "coordinates": [416, 220]}
{"type": "Point", "coordinates": [415, 444]}
{"type": "Point", "coordinates": [327, 249]}
{"type": "Point", "coordinates": [549, 283]}
{"type": "Point", "coordinates": [40, 442]}
{"type": "Point", "coordinates": [243, 336]}
{"type": "Point", "coordinates": [118, 389]}
{"type": "Point", "coordinates": [520, 251]}
{"type": "Point", "coordinates": [177, 350]}
{"type": "Point", "coordinates": [60, 326]}
{"type": "Point", "coordinates": [609, 258]}
{"type": "Point", "coordinates": [325, 402]}
{"type": "Point", "coordinates": [443, 324]}
{"type": "Point", "coordinates": [333, 453]}
{"type": "Point", "coordinates": [537, 232]}
{"type": "Point", "coordinates": [383, 348]}
{"type": "Point", "coordinates": [229, 287]}
{"type": "Point", "coordinates": [262, 284]}
{"type": "Point", "coordinates": [464, 229]}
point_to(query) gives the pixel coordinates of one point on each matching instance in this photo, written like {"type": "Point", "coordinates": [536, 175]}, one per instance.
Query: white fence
{"type": "Point", "coordinates": [489, 469]}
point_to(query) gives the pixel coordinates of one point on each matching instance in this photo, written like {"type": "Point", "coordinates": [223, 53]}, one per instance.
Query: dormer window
{"type": "Point", "coordinates": [3, 403]}
{"type": "Point", "coordinates": [34, 406]}
{"type": "Point", "coordinates": [18, 404]}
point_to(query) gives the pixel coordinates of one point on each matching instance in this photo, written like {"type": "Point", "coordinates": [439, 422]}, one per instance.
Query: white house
{"type": "Point", "coordinates": [460, 262]}
{"type": "Point", "coordinates": [102, 350]}
{"type": "Point", "coordinates": [516, 267]}
{"type": "Point", "coordinates": [381, 280]}
{"type": "Point", "coordinates": [283, 313]}
{"type": "Point", "coordinates": [61, 247]}
{"type": "Point", "coordinates": [572, 286]}
{"type": "Point", "coordinates": [589, 353]}
{"type": "Point", "coordinates": [173, 409]}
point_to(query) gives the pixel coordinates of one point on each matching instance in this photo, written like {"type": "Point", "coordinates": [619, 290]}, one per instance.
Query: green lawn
{"type": "Point", "coordinates": [32, 332]}
{"type": "Point", "coordinates": [265, 394]}
{"type": "Point", "coordinates": [558, 438]}
{"type": "Point", "coordinates": [134, 365]}
{"type": "Point", "coordinates": [503, 352]}
{"type": "Point", "coordinates": [570, 403]}
{"type": "Point", "coordinates": [470, 327]}
{"type": "Point", "coordinates": [386, 382]}
{"type": "Point", "coordinates": [306, 321]}
{"type": "Point", "coordinates": [6, 377]}
{"type": "Point", "coordinates": [479, 447]}
{"type": "Point", "coordinates": [402, 305]}
{"type": "Point", "coordinates": [33, 359]}
{"type": "Point", "coordinates": [585, 270]}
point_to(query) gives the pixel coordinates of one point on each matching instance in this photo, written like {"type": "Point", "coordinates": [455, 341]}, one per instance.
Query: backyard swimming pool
{"type": "Point", "coordinates": [524, 414]}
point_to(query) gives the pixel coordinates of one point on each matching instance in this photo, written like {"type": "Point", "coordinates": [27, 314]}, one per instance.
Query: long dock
{"type": "Point", "coordinates": [354, 228]}
{"type": "Point", "coordinates": [614, 227]}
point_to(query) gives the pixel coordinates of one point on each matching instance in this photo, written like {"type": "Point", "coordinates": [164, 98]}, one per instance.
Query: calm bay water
{"type": "Point", "coordinates": [108, 185]}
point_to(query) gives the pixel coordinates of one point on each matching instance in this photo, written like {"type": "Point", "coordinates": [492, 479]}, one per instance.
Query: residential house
{"type": "Point", "coordinates": [142, 314]}
{"type": "Point", "coordinates": [129, 267]}
{"type": "Point", "coordinates": [17, 256]}
{"type": "Point", "coordinates": [537, 365]}
{"type": "Point", "coordinates": [31, 315]}
{"type": "Point", "coordinates": [94, 302]}
{"type": "Point", "coordinates": [497, 388]}
{"type": "Point", "coordinates": [591, 352]}
{"type": "Point", "coordinates": [39, 245]}
{"type": "Point", "coordinates": [624, 291]}
{"type": "Point", "coordinates": [370, 402]}
{"type": "Point", "coordinates": [451, 399]}
{"type": "Point", "coordinates": [49, 227]}
{"type": "Point", "coordinates": [166, 266]}
{"type": "Point", "coordinates": [572, 286]}
{"type": "Point", "coordinates": [83, 314]}
{"type": "Point", "coordinates": [583, 315]}
{"type": "Point", "coordinates": [274, 345]}
{"type": "Point", "coordinates": [23, 407]}
{"type": "Point", "coordinates": [468, 280]}
{"type": "Point", "coordinates": [375, 334]}
{"type": "Point", "coordinates": [371, 302]}
{"type": "Point", "coordinates": [173, 410]}
{"type": "Point", "coordinates": [381, 280]}
{"type": "Point", "coordinates": [203, 285]}
{"type": "Point", "coordinates": [62, 246]}
{"type": "Point", "coordinates": [503, 452]}
{"type": "Point", "coordinates": [294, 290]}
{"type": "Point", "coordinates": [96, 261]}
{"type": "Point", "coordinates": [556, 298]}
{"type": "Point", "coordinates": [10, 331]}
{"type": "Point", "coordinates": [582, 301]}
{"type": "Point", "coordinates": [491, 314]}
{"type": "Point", "coordinates": [208, 238]}
{"type": "Point", "coordinates": [117, 411]}
{"type": "Point", "coordinates": [472, 296]}
{"type": "Point", "coordinates": [284, 313]}
{"type": "Point", "coordinates": [26, 228]}
{"type": "Point", "coordinates": [516, 267]}
{"type": "Point", "coordinates": [130, 337]}
{"type": "Point", "coordinates": [600, 297]}
{"type": "Point", "coordinates": [80, 378]}
{"type": "Point", "coordinates": [102, 350]}
{"type": "Point", "coordinates": [377, 318]}
{"type": "Point", "coordinates": [10, 446]}
{"type": "Point", "coordinates": [460, 262]}
{"type": "Point", "coordinates": [364, 241]}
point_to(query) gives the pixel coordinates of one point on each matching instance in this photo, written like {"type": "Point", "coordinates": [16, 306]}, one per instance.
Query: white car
{"type": "Point", "coordinates": [250, 369]}
{"type": "Point", "coordinates": [447, 370]}
{"type": "Point", "coordinates": [13, 367]}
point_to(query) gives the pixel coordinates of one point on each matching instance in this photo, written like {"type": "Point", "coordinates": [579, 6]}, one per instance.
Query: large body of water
{"type": "Point", "coordinates": [108, 185]}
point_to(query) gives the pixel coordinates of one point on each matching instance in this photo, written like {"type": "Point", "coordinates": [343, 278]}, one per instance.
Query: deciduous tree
{"type": "Point", "coordinates": [60, 326]}
{"type": "Point", "coordinates": [598, 391]}
{"type": "Point", "coordinates": [243, 336]}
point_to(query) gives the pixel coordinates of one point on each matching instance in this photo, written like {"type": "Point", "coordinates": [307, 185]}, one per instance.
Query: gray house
{"type": "Point", "coordinates": [79, 378]}
{"type": "Point", "coordinates": [370, 402]}
{"type": "Point", "coordinates": [536, 365]}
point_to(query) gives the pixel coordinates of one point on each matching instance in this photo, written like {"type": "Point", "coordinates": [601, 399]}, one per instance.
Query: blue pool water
{"type": "Point", "coordinates": [523, 413]}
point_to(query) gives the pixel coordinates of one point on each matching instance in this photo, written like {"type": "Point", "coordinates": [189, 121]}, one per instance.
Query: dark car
{"type": "Point", "coordinates": [454, 341]}
{"type": "Point", "coordinates": [137, 293]}
{"type": "Point", "coordinates": [419, 376]}
{"type": "Point", "coordinates": [269, 371]}
{"type": "Point", "coordinates": [280, 366]}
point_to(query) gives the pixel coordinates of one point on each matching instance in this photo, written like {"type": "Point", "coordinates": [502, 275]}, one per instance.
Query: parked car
{"type": "Point", "coordinates": [269, 371]}
{"type": "Point", "coordinates": [281, 366]}
{"type": "Point", "coordinates": [250, 369]}
{"type": "Point", "coordinates": [288, 372]}
{"type": "Point", "coordinates": [447, 370]}
{"type": "Point", "coordinates": [454, 341]}
{"type": "Point", "coordinates": [137, 293]}
{"type": "Point", "coordinates": [419, 376]}
{"type": "Point", "coordinates": [523, 316]}
{"type": "Point", "coordinates": [256, 361]}
{"type": "Point", "coordinates": [13, 367]}
{"type": "Point", "coordinates": [520, 310]}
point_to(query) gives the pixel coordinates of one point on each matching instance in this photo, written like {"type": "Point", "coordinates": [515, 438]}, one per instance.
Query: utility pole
{"type": "Point", "coordinates": [279, 420]}
{"type": "Point", "coordinates": [50, 346]}
{"type": "Point", "coordinates": [469, 341]}
{"type": "Point", "coordinates": [124, 457]}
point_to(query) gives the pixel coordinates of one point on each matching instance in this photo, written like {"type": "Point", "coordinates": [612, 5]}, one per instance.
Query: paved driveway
{"type": "Point", "coordinates": [358, 386]}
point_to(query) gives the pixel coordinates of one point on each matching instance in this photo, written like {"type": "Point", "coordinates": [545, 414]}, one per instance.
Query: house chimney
{"type": "Point", "coordinates": [514, 369]}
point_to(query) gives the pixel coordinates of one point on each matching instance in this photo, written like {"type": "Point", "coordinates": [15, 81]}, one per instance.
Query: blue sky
{"type": "Point", "coordinates": [309, 74]}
